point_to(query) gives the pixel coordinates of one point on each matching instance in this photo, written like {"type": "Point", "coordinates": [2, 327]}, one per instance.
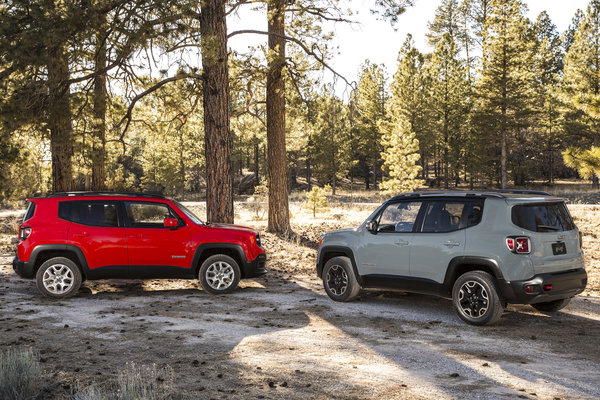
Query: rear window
{"type": "Point", "coordinates": [544, 217]}
{"type": "Point", "coordinates": [91, 213]}
{"type": "Point", "coordinates": [30, 211]}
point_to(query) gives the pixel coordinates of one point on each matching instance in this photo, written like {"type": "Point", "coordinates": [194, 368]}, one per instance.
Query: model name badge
{"type": "Point", "coordinates": [369, 265]}
{"type": "Point", "coordinates": [177, 256]}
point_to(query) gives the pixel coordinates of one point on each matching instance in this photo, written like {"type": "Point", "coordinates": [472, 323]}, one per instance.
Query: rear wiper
{"type": "Point", "coordinates": [552, 228]}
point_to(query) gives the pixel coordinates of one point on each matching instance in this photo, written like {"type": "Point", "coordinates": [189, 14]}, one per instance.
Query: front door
{"type": "Point", "coordinates": [385, 255]}
{"type": "Point", "coordinates": [156, 251]}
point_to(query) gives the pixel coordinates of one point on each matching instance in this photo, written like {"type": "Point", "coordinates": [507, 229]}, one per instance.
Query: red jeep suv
{"type": "Point", "coordinates": [66, 238]}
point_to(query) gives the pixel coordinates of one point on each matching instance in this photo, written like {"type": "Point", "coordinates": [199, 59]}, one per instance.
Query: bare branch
{"type": "Point", "coordinates": [310, 51]}
{"type": "Point", "coordinates": [127, 117]}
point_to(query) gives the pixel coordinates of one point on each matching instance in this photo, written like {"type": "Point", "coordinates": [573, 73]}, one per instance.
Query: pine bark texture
{"type": "Point", "coordinates": [279, 220]}
{"type": "Point", "coordinates": [59, 120]}
{"type": "Point", "coordinates": [218, 142]}
{"type": "Point", "coordinates": [99, 113]}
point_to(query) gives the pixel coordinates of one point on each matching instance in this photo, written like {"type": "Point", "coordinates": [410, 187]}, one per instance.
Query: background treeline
{"type": "Point", "coordinates": [146, 95]}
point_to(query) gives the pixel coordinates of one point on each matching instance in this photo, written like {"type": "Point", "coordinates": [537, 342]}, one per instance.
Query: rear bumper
{"type": "Point", "coordinates": [22, 268]}
{"type": "Point", "coordinates": [256, 267]}
{"type": "Point", "coordinates": [546, 287]}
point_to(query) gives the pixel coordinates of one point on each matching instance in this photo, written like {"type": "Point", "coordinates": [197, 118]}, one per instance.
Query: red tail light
{"type": "Point", "coordinates": [518, 245]}
{"type": "Point", "coordinates": [24, 233]}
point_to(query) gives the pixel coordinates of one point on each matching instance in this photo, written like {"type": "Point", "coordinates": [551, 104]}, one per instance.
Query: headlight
{"type": "Point", "coordinates": [258, 240]}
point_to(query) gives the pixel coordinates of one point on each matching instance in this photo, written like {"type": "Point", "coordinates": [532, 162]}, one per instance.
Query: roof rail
{"type": "Point", "coordinates": [518, 191]}
{"type": "Point", "coordinates": [470, 193]}
{"type": "Point", "coordinates": [84, 193]}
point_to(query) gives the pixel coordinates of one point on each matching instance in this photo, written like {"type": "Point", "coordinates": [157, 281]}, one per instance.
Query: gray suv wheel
{"type": "Point", "coordinates": [475, 298]}
{"type": "Point", "coordinates": [339, 280]}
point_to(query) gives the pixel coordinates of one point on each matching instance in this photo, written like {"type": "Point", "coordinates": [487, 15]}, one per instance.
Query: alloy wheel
{"type": "Point", "coordinates": [337, 280]}
{"type": "Point", "coordinates": [220, 275]}
{"type": "Point", "coordinates": [58, 279]}
{"type": "Point", "coordinates": [473, 299]}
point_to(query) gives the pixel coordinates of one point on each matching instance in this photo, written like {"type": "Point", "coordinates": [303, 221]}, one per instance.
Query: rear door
{"type": "Point", "coordinates": [552, 232]}
{"type": "Point", "coordinates": [97, 229]}
{"type": "Point", "coordinates": [441, 237]}
{"type": "Point", "coordinates": [156, 251]}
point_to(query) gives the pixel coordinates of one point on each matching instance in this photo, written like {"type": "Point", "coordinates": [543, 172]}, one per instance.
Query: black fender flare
{"type": "Point", "coordinates": [215, 246]}
{"type": "Point", "coordinates": [455, 263]}
{"type": "Point", "coordinates": [58, 247]}
{"type": "Point", "coordinates": [346, 251]}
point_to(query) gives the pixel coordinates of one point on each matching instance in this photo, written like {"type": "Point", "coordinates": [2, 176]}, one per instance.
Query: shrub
{"type": "Point", "coordinates": [20, 374]}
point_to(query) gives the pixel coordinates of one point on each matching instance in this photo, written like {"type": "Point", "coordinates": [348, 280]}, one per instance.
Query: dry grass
{"type": "Point", "coordinates": [20, 374]}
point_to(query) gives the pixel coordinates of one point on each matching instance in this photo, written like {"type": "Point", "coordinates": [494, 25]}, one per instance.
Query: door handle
{"type": "Point", "coordinates": [138, 236]}
{"type": "Point", "coordinates": [450, 243]}
{"type": "Point", "coordinates": [81, 235]}
{"type": "Point", "coordinates": [401, 242]}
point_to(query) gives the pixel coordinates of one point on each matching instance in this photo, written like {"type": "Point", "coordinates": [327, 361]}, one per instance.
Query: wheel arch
{"type": "Point", "coordinates": [463, 264]}
{"type": "Point", "coordinates": [326, 253]}
{"type": "Point", "coordinates": [44, 252]}
{"type": "Point", "coordinates": [232, 250]}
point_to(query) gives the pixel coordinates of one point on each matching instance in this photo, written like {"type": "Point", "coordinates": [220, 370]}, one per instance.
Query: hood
{"type": "Point", "coordinates": [233, 227]}
{"type": "Point", "coordinates": [342, 230]}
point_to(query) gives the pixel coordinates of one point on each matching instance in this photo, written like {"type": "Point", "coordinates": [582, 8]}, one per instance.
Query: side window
{"type": "Point", "coordinates": [148, 215]}
{"type": "Point", "coordinates": [475, 211]}
{"type": "Point", "coordinates": [91, 213]}
{"type": "Point", "coordinates": [443, 216]}
{"type": "Point", "coordinates": [399, 217]}
{"type": "Point", "coordinates": [30, 211]}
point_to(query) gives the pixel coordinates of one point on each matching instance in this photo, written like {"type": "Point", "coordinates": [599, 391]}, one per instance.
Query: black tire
{"type": "Point", "coordinates": [475, 298]}
{"type": "Point", "coordinates": [552, 306]}
{"type": "Point", "coordinates": [58, 278]}
{"type": "Point", "coordinates": [219, 274]}
{"type": "Point", "coordinates": [339, 279]}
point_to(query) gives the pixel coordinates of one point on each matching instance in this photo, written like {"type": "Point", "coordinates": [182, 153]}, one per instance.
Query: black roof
{"type": "Point", "coordinates": [128, 194]}
{"type": "Point", "coordinates": [500, 193]}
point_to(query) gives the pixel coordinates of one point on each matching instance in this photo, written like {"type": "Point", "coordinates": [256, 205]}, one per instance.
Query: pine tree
{"type": "Point", "coordinates": [581, 80]}
{"type": "Point", "coordinates": [330, 141]}
{"type": "Point", "coordinates": [400, 157]}
{"type": "Point", "coordinates": [409, 99]}
{"type": "Point", "coordinates": [548, 65]}
{"type": "Point", "coordinates": [369, 101]}
{"type": "Point", "coordinates": [448, 89]}
{"type": "Point", "coordinates": [506, 76]}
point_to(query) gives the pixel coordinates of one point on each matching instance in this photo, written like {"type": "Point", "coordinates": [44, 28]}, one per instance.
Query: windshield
{"type": "Point", "coordinates": [189, 214]}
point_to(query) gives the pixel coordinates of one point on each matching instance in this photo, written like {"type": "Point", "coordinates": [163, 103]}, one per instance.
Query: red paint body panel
{"type": "Point", "coordinates": [159, 246]}
{"type": "Point", "coordinates": [101, 246]}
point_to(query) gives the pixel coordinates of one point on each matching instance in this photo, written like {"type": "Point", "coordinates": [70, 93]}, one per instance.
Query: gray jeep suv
{"type": "Point", "coordinates": [483, 249]}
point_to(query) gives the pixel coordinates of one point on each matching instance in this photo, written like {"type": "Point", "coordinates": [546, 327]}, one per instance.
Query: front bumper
{"type": "Point", "coordinates": [22, 268]}
{"type": "Point", "coordinates": [547, 287]}
{"type": "Point", "coordinates": [256, 267]}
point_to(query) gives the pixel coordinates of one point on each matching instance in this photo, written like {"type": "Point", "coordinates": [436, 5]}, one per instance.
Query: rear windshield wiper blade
{"type": "Point", "coordinates": [552, 228]}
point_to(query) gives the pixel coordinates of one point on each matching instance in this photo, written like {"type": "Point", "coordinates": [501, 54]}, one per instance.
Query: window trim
{"type": "Point", "coordinates": [537, 204]}
{"type": "Point", "coordinates": [462, 223]}
{"type": "Point", "coordinates": [129, 224]}
{"type": "Point", "coordinates": [380, 213]}
{"type": "Point", "coordinates": [115, 202]}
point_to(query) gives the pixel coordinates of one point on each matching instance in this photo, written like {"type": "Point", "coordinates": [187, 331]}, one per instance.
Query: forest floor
{"type": "Point", "coordinates": [280, 337]}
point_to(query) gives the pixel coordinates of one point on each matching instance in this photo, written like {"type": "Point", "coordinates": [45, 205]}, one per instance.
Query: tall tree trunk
{"type": "Point", "coordinates": [99, 113]}
{"type": "Point", "coordinates": [59, 120]}
{"type": "Point", "coordinates": [256, 157]}
{"type": "Point", "coordinates": [279, 220]}
{"type": "Point", "coordinates": [217, 138]}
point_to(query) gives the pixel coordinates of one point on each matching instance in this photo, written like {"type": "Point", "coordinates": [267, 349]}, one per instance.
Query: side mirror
{"type": "Point", "coordinates": [171, 223]}
{"type": "Point", "coordinates": [371, 226]}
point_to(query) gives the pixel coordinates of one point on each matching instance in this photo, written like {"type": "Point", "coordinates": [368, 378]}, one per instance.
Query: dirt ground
{"type": "Point", "coordinates": [280, 337]}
